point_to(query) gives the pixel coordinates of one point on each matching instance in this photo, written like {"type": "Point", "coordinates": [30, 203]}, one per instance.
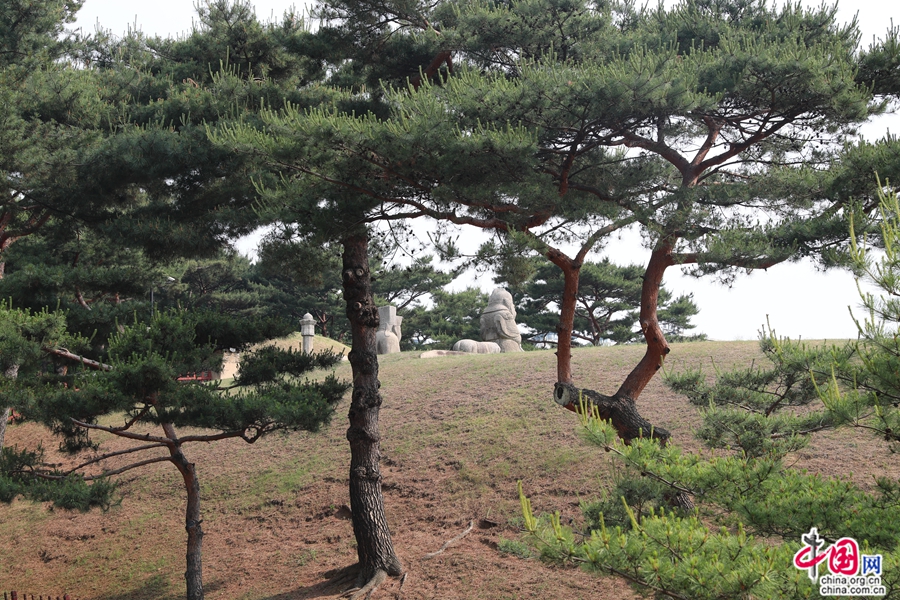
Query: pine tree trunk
{"type": "Point", "coordinates": [621, 412]}
{"type": "Point", "coordinates": [657, 348]}
{"type": "Point", "coordinates": [571, 270]}
{"type": "Point", "coordinates": [373, 538]}
{"type": "Point", "coordinates": [193, 574]}
{"type": "Point", "coordinates": [4, 419]}
{"type": "Point", "coordinates": [10, 373]}
{"type": "Point", "coordinates": [620, 408]}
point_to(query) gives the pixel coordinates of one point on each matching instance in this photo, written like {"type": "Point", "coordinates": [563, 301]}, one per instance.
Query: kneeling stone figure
{"type": "Point", "coordinates": [498, 322]}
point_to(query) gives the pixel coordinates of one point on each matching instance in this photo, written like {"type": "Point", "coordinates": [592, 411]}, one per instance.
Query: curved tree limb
{"type": "Point", "coordinates": [63, 353]}
{"type": "Point", "coordinates": [124, 434]}
{"type": "Point", "coordinates": [142, 463]}
{"type": "Point", "coordinates": [118, 453]}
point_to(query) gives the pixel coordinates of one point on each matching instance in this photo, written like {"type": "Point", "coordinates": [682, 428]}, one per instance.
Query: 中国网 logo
{"type": "Point", "coordinates": [850, 573]}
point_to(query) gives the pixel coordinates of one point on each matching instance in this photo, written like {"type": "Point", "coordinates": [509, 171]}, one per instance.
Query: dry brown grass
{"type": "Point", "coordinates": [457, 433]}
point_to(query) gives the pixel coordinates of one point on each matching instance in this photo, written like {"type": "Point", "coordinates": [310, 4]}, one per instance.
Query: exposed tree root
{"type": "Point", "coordinates": [351, 585]}
{"type": "Point", "coordinates": [363, 593]}
{"type": "Point", "coordinates": [621, 412]}
{"type": "Point", "coordinates": [399, 594]}
{"type": "Point", "coordinates": [343, 577]}
{"type": "Point", "coordinates": [450, 541]}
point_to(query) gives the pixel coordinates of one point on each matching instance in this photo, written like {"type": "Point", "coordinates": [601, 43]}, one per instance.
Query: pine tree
{"type": "Point", "coordinates": [453, 316]}
{"type": "Point", "coordinates": [606, 311]}
{"type": "Point", "coordinates": [144, 379]}
{"type": "Point", "coordinates": [716, 127]}
{"type": "Point", "coordinates": [23, 337]}
{"type": "Point", "coordinates": [756, 418]}
{"type": "Point", "coordinates": [182, 195]}
{"type": "Point", "coordinates": [54, 112]}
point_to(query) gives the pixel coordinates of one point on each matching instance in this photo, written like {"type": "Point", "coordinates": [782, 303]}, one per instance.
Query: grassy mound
{"type": "Point", "coordinates": [295, 342]}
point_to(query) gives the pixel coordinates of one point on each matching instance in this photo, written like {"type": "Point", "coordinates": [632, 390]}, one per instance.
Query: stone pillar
{"type": "Point", "coordinates": [308, 331]}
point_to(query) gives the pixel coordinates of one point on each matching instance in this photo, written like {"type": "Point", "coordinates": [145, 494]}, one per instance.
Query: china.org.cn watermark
{"type": "Point", "coordinates": [850, 573]}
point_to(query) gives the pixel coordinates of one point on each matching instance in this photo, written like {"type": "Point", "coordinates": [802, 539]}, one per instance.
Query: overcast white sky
{"type": "Point", "coordinates": [798, 300]}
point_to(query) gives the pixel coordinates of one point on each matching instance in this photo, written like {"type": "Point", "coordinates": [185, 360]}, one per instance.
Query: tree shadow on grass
{"type": "Point", "coordinates": [319, 590]}
{"type": "Point", "coordinates": [331, 586]}
{"type": "Point", "coordinates": [156, 587]}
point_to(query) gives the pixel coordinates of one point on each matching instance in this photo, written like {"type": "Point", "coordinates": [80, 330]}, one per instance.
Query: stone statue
{"type": "Point", "coordinates": [387, 338]}
{"type": "Point", "coordinates": [473, 347]}
{"type": "Point", "coordinates": [498, 322]}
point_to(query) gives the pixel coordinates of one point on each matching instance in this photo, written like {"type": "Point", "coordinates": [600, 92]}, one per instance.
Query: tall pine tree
{"type": "Point", "coordinates": [718, 127]}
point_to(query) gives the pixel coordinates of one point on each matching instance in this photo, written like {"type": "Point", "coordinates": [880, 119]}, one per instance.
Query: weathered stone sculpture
{"type": "Point", "coordinates": [387, 337]}
{"type": "Point", "coordinates": [498, 322]}
{"type": "Point", "coordinates": [473, 347]}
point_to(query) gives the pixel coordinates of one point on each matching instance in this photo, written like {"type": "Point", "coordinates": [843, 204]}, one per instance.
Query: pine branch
{"type": "Point", "coordinates": [142, 463]}
{"type": "Point", "coordinates": [63, 353]}
{"type": "Point", "coordinates": [632, 140]}
{"type": "Point", "coordinates": [113, 454]}
{"type": "Point", "coordinates": [714, 128]}
{"type": "Point", "coordinates": [137, 418]}
{"type": "Point", "coordinates": [124, 434]}
{"type": "Point", "coordinates": [431, 70]}
{"type": "Point", "coordinates": [219, 436]}
{"type": "Point", "coordinates": [79, 297]}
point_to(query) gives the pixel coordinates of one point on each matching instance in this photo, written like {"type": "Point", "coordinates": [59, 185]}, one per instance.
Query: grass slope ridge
{"type": "Point", "coordinates": [295, 342]}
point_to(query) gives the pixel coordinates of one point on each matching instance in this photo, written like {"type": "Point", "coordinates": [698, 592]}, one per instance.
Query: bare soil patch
{"type": "Point", "coordinates": [458, 432]}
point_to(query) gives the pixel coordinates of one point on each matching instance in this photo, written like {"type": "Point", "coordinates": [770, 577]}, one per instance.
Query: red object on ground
{"type": "Point", "coordinates": [201, 376]}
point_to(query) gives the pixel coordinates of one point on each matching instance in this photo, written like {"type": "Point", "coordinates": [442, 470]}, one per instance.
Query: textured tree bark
{"type": "Point", "coordinates": [193, 574]}
{"type": "Point", "coordinates": [621, 412]}
{"type": "Point", "coordinates": [4, 419]}
{"type": "Point", "coordinates": [657, 347]}
{"type": "Point", "coordinates": [10, 373]}
{"type": "Point", "coordinates": [620, 408]}
{"type": "Point", "coordinates": [571, 270]}
{"type": "Point", "coordinates": [374, 547]}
